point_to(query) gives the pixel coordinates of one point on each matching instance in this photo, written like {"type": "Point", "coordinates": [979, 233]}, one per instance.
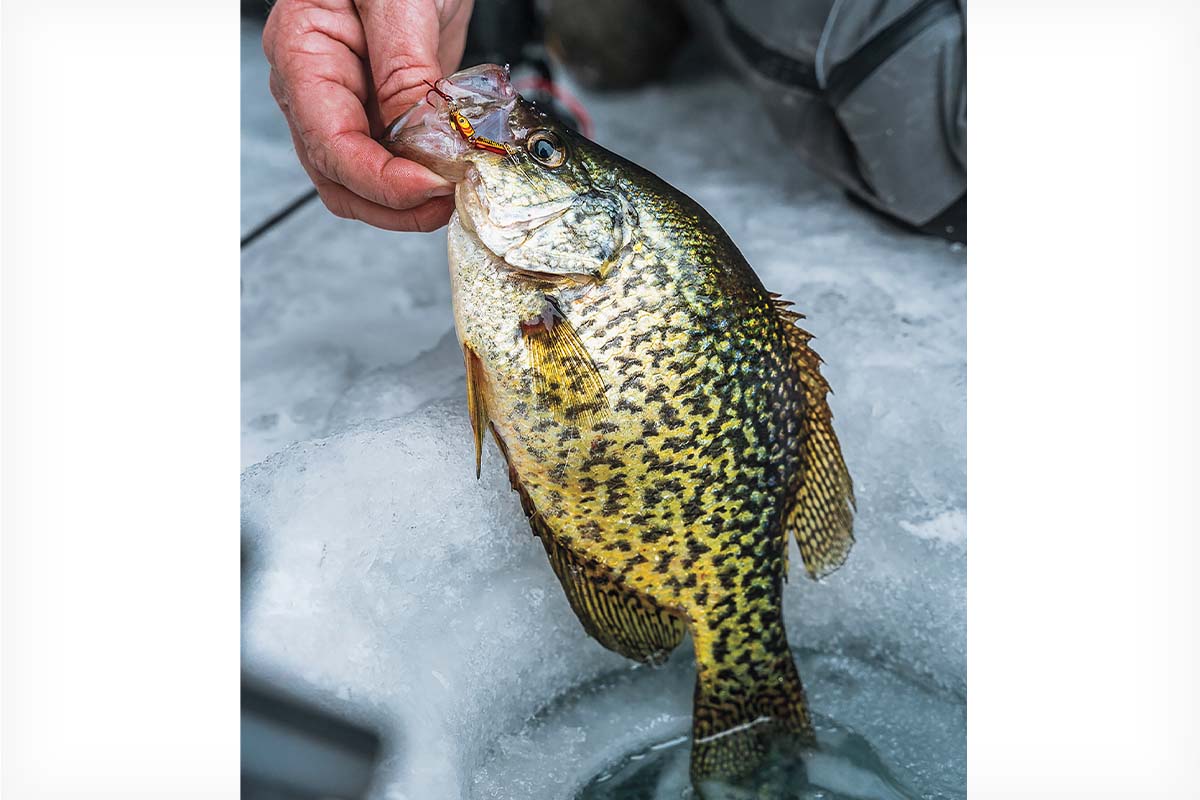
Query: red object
{"type": "Point", "coordinates": [569, 101]}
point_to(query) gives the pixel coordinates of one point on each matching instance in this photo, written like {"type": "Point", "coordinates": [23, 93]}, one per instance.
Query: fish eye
{"type": "Point", "coordinates": [546, 148]}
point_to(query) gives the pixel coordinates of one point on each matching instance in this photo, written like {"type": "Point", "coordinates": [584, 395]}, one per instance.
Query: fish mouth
{"type": "Point", "coordinates": [484, 95]}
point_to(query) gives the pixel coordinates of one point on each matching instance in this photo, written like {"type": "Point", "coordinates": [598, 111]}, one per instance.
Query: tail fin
{"type": "Point", "coordinates": [738, 719]}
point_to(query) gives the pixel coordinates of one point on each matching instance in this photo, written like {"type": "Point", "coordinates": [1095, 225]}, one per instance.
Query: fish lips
{"type": "Point", "coordinates": [483, 94]}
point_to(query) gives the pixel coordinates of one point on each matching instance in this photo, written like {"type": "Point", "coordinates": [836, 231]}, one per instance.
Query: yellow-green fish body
{"type": "Point", "coordinates": [661, 413]}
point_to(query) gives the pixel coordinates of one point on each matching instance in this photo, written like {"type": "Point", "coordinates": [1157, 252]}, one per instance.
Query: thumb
{"type": "Point", "coordinates": [402, 43]}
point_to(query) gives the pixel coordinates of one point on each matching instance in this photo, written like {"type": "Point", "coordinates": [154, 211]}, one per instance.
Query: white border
{"type": "Point", "coordinates": [120, 351]}
{"type": "Point", "coordinates": [120, 571]}
{"type": "Point", "coordinates": [1082, 404]}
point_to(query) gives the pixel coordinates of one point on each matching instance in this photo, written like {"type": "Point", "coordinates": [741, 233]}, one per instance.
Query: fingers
{"type": "Point", "coordinates": [402, 40]}
{"type": "Point", "coordinates": [454, 34]}
{"type": "Point", "coordinates": [341, 202]}
{"type": "Point", "coordinates": [318, 79]}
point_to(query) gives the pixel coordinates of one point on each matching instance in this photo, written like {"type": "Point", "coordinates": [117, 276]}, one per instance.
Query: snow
{"type": "Point", "coordinates": [389, 585]}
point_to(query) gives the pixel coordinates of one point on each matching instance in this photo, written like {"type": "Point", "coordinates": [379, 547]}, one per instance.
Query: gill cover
{"type": "Point", "coordinates": [539, 206]}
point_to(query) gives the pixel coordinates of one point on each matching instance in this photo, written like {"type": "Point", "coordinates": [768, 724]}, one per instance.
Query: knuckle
{"type": "Point", "coordinates": [324, 155]}
{"type": "Point", "coordinates": [401, 78]}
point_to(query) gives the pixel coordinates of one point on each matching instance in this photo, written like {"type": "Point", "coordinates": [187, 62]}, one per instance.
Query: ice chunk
{"type": "Point", "coordinates": [392, 391]}
{"type": "Point", "coordinates": [287, 395]}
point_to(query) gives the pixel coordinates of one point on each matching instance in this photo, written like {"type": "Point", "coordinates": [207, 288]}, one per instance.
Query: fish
{"type": "Point", "coordinates": [662, 416]}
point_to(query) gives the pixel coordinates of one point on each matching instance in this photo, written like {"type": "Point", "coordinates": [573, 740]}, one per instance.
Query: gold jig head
{"type": "Point", "coordinates": [464, 128]}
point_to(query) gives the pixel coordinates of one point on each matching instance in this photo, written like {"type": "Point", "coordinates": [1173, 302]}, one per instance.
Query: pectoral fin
{"type": "Point", "coordinates": [565, 379]}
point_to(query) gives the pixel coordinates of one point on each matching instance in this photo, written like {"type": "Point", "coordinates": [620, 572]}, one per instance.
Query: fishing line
{"type": "Point", "coordinates": [278, 217]}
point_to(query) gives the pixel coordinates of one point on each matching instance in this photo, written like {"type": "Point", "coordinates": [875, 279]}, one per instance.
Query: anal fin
{"type": "Point", "coordinates": [624, 622]}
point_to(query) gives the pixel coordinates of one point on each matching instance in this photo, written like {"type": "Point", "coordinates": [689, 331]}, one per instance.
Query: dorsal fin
{"type": "Point", "coordinates": [820, 511]}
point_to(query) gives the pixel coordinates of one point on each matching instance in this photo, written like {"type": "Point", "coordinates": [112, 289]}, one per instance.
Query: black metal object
{"type": "Point", "coordinates": [292, 750]}
{"type": "Point", "coordinates": [278, 217]}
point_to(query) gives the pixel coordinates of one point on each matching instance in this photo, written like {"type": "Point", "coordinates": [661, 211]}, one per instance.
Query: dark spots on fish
{"type": "Point", "coordinates": [626, 362]}
{"type": "Point", "coordinates": [626, 315]}
{"type": "Point", "coordinates": [755, 591]}
{"type": "Point", "coordinates": [676, 444]}
{"type": "Point", "coordinates": [640, 338]}
{"type": "Point", "coordinates": [720, 650]}
{"type": "Point", "coordinates": [652, 535]}
{"type": "Point", "coordinates": [656, 395]}
{"type": "Point", "coordinates": [590, 531]}
{"type": "Point", "coordinates": [668, 416]}
{"type": "Point", "coordinates": [728, 576]}
{"type": "Point", "coordinates": [657, 354]}
{"type": "Point", "coordinates": [633, 381]}
{"type": "Point", "coordinates": [664, 564]}
{"type": "Point", "coordinates": [625, 404]}
{"type": "Point", "coordinates": [615, 341]}
{"type": "Point", "coordinates": [580, 410]}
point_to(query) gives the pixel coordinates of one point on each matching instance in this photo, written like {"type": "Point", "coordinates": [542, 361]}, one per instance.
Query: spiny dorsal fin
{"type": "Point", "coordinates": [821, 510]}
{"type": "Point", "coordinates": [565, 379]}
{"type": "Point", "coordinates": [476, 401]}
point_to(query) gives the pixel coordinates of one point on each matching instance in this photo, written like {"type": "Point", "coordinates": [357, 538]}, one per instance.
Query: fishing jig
{"type": "Point", "coordinates": [464, 128]}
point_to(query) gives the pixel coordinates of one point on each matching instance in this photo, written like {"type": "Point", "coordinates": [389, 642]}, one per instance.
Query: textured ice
{"type": "Point", "coordinates": [390, 585]}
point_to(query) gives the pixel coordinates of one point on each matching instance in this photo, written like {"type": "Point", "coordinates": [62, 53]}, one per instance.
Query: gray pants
{"type": "Point", "coordinates": [871, 92]}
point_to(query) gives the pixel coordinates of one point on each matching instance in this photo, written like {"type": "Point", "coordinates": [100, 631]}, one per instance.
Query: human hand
{"type": "Point", "coordinates": [343, 69]}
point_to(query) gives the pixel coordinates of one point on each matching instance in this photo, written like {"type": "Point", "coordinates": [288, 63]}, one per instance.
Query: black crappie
{"type": "Point", "coordinates": [661, 413]}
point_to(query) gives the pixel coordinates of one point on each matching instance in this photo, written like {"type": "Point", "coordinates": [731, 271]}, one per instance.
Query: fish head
{"type": "Point", "coordinates": [529, 188]}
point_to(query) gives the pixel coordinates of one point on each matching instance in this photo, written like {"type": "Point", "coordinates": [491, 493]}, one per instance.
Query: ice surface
{"type": "Point", "coordinates": [271, 175]}
{"type": "Point", "coordinates": [392, 586]}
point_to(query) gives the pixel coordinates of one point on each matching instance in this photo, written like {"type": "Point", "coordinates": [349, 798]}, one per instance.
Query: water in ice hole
{"type": "Point", "coordinates": [880, 736]}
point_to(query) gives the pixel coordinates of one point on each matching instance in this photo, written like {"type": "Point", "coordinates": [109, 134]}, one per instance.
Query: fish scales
{"type": "Point", "coordinates": [659, 412]}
